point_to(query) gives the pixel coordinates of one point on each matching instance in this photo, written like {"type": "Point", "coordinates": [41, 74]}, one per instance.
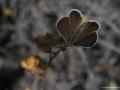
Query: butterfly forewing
{"type": "Point", "coordinates": [87, 41]}
{"type": "Point", "coordinates": [63, 27]}
{"type": "Point", "coordinates": [75, 21]}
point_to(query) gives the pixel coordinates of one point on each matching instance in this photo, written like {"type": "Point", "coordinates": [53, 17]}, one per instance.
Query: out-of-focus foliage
{"type": "Point", "coordinates": [74, 69]}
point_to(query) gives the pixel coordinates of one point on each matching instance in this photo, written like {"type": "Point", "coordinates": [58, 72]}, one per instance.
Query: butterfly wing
{"type": "Point", "coordinates": [63, 27]}
{"type": "Point", "coordinates": [67, 26]}
{"type": "Point", "coordinates": [88, 40]}
{"type": "Point", "coordinates": [87, 35]}
{"type": "Point", "coordinates": [75, 21]}
{"type": "Point", "coordinates": [89, 27]}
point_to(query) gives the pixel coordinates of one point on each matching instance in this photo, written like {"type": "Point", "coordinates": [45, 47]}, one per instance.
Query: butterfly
{"type": "Point", "coordinates": [75, 33]}
{"type": "Point", "coordinates": [71, 32]}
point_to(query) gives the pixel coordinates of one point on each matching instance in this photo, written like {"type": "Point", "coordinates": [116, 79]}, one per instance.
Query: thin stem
{"type": "Point", "coordinates": [52, 57]}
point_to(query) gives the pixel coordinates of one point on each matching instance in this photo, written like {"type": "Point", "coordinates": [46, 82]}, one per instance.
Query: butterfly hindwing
{"type": "Point", "coordinates": [85, 29]}
{"type": "Point", "coordinates": [89, 27]}
{"type": "Point", "coordinates": [87, 41]}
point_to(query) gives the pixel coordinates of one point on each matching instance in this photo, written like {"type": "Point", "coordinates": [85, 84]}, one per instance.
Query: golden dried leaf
{"type": "Point", "coordinates": [27, 88]}
{"type": "Point", "coordinates": [9, 12]}
{"type": "Point", "coordinates": [32, 64]}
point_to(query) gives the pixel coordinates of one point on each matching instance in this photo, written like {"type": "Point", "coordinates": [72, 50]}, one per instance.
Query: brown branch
{"type": "Point", "coordinates": [52, 57]}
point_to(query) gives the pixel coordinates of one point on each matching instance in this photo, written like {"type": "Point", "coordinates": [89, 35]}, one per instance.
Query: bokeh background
{"type": "Point", "coordinates": [76, 68]}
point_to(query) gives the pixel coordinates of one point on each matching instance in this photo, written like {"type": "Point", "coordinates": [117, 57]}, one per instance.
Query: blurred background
{"type": "Point", "coordinates": [75, 69]}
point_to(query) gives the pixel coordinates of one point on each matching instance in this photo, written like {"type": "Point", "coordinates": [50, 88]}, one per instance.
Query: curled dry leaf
{"type": "Point", "coordinates": [33, 64]}
{"type": "Point", "coordinates": [46, 42]}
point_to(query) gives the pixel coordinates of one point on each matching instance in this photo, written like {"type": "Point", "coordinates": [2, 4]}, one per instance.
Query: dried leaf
{"type": "Point", "coordinates": [33, 64]}
{"type": "Point", "coordinates": [27, 88]}
{"type": "Point", "coordinates": [46, 42]}
{"type": "Point", "coordinates": [9, 12]}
